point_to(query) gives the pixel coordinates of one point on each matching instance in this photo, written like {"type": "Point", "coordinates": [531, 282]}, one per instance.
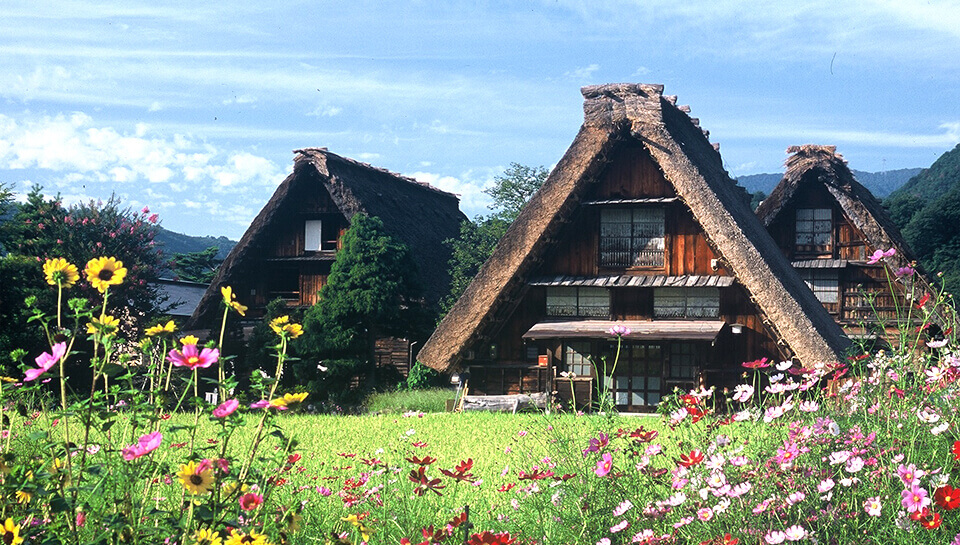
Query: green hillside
{"type": "Point", "coordinates": [178, 243]}
{"type": "Point", "coordinates": [927, 210]}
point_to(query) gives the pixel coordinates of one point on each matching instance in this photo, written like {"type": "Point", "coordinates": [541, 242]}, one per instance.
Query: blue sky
{"type": "Point", "coordinates": [194, 109]}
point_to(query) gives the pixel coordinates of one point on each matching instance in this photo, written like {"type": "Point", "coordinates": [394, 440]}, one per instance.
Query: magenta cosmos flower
{"type": "Point", "coordinates": [226, 408]}
{"type": "Point", "coordinates": [189, 357]}
{"type": "Point", "coordinates": [604, 465]}
{"type": "Point", "coordinates": [45, 361]}
{"type": "Point", "coordinates": [914, 499]}
{"type": "Point", "coordinates": [145, 445]}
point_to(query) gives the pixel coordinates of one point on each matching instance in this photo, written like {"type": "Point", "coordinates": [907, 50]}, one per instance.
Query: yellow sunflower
{"type": "Point", "coordinates": [230, 299]}
{"type": "Point", "coordinates": [289, 400]}
{"type": "Point", "coordinates": [158, 329]}
{"type": "Point", "coordinates": [103, 272]}
{"type": "Point", "coordinates": [11, 533]}
{"type": "Point", "coordinates": [189, 339]}
{"type": "Point", "coordinates": [206, 536]}
{"type": "Point", "coordinates": [106, 324]}
{"type": "Point", "coordinates": [285, 328]}
{"type": "Point", "coordinates": [60, 271]}
{"type": "Point", "coordinates": [196, 482]}
{"type": "Point", "coordinates": [240, 538]}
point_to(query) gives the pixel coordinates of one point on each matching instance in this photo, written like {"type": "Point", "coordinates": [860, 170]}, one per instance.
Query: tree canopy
{"type": "Point", "coordinates": [478, 238]}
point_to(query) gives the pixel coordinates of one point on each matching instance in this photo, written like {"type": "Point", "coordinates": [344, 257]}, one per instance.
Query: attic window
{"type": "Point", "coordinates": [572, 301]}
{"type": "Point", "coordinates": [312, 235]}
{"type": "Point", "coordinates": [632, 237]}
{"type": "Point", "coordinates": [814, 229]}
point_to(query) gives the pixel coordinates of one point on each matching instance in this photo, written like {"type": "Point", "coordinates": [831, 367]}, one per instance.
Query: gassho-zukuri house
{"type": "Point", "coordinates": [830, 227]}
{"type": "Point", "coordinates": [638, 225]}
{"type": "Point", "coordinates": [288, 250]}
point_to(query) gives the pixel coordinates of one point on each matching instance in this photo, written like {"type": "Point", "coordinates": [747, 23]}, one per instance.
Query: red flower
{"type": "Point", "coordinates": [688, 399]}
{"type": "Point", "coordinates": [425, 461]}
{"type": "Point", "coordinates": [506, 487]}
{"type": "Point", "coordinates": [489, 538]}
{"type": "Point", "coordinates": [535, 475]}
{"type": "Point", "coordinates": [696, 413]}
{"type": "Point", "coordinates": [424, 483]}
{"type": "Point", "coordinates": [692, 459]}
{"type": "Point", "coordinates": [461, 472]}
{"type": "Point", "coordinates": [923, 301]}
{"type": "Point", "coordinates": [757, 364]}
{"type": "Point", "coordinates": [956, 450]}
{"type": "Point", "coordinates": [642, 436]}
{"type": "Point", "coordinates": [947, 497]}
{"type": "Point", "coordinates": [725, 540]}
{"type": "Point", "coordinates": [927, 518]}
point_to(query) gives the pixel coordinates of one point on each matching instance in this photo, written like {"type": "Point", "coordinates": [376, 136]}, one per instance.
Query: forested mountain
{"type": "Point", "coordinates": [178, 243]}
{"type": "Point", "coordinates": [927, 210]}
{"type": "Point", "coordinates": [880, 184]}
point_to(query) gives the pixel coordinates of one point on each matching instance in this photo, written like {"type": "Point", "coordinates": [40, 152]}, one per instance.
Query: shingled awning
{"type": "Point", "coordinates": [665, 330]}
{"type": "Point", "coordinates": [636, 281]}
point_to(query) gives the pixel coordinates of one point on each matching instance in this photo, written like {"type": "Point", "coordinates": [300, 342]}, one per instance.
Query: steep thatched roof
{"type": "Point", "coordinates": [415, 213]}
{"type": "Point", "coordinates": [813, 164]}
{"type": "Point", "coordinates": [613, 114]}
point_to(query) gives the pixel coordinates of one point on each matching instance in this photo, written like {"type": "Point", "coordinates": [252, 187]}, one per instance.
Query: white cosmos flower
{"type": "Point", "coordinates": [928, 416]}
{"type": "Point", "coordinates": [784, 365]}
{"type": "Point", "coordinates": [742, 392]}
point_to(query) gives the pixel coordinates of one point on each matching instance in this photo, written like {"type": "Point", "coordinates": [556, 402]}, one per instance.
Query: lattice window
{"type": "Point", "coordinates": [576, 358]}
{"type": "Point", "coordinates": [686, 302]}
{"type": "Point", "coordinates": [632, 237]}
{"type": "Point", "coordinates": [683, 361]}
{"type": "Point", "coordinates": [814, 228]}
{"type": "Point", "coordinates": [572, 301]}
{"type": "Point", "coordinates": [825, 284]}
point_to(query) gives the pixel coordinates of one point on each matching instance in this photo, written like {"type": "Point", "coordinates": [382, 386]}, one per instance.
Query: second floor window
{"type": "Point", "coordinates": [825, 284]}
{"type": "Point", "coordinates": [585, 302]}
{"type": "Point", "coordinates": [631, 237]}
{"type": "Point", "coordinates": [814, 229]}
{"type": "Point", "coordinates": [686, 302]}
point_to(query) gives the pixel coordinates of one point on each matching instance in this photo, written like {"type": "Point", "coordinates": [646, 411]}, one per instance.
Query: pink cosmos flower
{"type": "Point", "coordinates": [908, 474]}
{"type": "Point", "coordinates": [914, 499]}
{"type": "Point", "coordinates": [250, 501]}
{"type": "Point", "coordinates": [704, 514]}
{"type": "Point", "coordinates": [872, 506]}
{"type": "Point", "coordinates": [619, 527]}
{"type": "Point", "coordinates": [904, 271]}
{"type": "Point", "coordinates": [795, 532]}
{"type": "Point", "coordinates": [45, 361]}
{"type": "Point", "coordinates": [193, 359]}
{"type": "Point", "coordinates": [226, 408]}
{"type": "Point", "coordinates": [618, 331]}
{"type": "Point", "coordinates": [880, 254]}
{"type": "Point", "coordinates": [773, 537]}
{"type": "Point", "coordinates": [743, 393]}
{"type": "Point", "coordinates": [624, 506]}
{"type": "Point", "coordinates": [604, 465]}
{"type": "Point", "coordinates": [145, 445]}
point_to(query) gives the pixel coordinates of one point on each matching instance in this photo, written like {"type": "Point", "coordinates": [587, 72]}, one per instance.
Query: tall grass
{"type": "Point", "coordinates": [432, 400]}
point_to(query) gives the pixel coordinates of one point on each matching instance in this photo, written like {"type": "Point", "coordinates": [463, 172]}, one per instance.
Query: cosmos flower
{"type": "Point", "coordinates": [191, 358]}
{"type": "Point", "coordinates": [45, 361]}
{"type": "Point", "coordinates": [604, 465]}
{"type": "Point", "coordinates": [145, 445]}
{"type": "Point", "coordinates": [250, 501]}
{"type": "Point", "coordinates": [914, 499]}
{"type": "Point", "coordinates": [878, 255]}
{"type": "Point", "coordinates": [283, 327]}
{"type": "Point", "coordinates": [872, 506]}
{"type": "Point", "coordinates": [226, 408]}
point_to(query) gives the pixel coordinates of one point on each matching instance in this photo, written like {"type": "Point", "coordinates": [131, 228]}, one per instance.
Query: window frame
{"type": "Point", "coordinates": [647, 233]}
{"type": "Point", "coordinates": [684, 300]}
{"type": "Point", "coordinates": [578, 307]}
{"type": "Point", "coordinates": [818, 228]}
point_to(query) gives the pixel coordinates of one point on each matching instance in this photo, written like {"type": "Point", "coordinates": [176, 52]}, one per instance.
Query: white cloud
{"type": "Point", "coordinates": [77, 156]}
{"type": "Point", "coordinates": [764, 129]}
{"type": "Point", "coordinates": [325, 110]}
{"type": "Point", "coordinates": [473, 201]}
{"type": "Point", "coordinates": [583, 72]}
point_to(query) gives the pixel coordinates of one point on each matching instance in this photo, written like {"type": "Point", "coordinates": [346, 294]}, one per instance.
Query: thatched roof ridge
{"type": "Point", "coordinates": [613, 113]}
{"type": "Point", "coordinates": [811, 164]}
{"type": "Point", "coordinates": [417, 214]}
